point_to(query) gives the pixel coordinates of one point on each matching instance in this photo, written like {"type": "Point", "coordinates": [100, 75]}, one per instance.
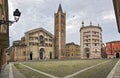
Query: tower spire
{"type": "Point", "coordinates": [90, 23]}
{"type": "Point", "coordinates": [83, 23]}
{"type": "Point", "coordinates": [98, 25]}
{"type": "Point", "coordinates": [60, 8]}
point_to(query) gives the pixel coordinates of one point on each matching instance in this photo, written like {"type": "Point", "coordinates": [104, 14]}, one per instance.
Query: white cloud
{"type": "Point", "coordinates": [109, 15]}
{"type": "Point", "coordinates": [40, 13]}
{"type": "Point", "coordinates": [73, 24]}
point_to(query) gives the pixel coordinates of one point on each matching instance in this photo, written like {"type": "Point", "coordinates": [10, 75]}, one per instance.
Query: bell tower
{"type": "Point", "coordinates": [59, 33]}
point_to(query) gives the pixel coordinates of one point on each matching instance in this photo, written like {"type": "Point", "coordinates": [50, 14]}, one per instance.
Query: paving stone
{"type": "Point", "coordinates": [16, 73]}
{"type": "Point", "coordinates": [5, 71]}
{"type": "Point", "coordinates": [117, 71]}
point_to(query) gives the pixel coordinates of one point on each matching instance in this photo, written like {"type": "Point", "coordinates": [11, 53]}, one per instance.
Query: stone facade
{"type": "Point", "coordinates": [116, 4]}
{"type": "Point", "coordinates": [91, 41]}
{"type": "Point", "coordinates": [113, 49]}
{"type": "Point", "coordinates": [11, 54]}
{"type": "Point", "coordinates": [4, 31]}
{"type": "Point", "coordinates": [18, 50]}
{"type": "Point", "coordinates": [59, 33]}
{"type": "Point", "coordinates": [39, 44]}
{"type": "Point", "coordinates": [72, 50]}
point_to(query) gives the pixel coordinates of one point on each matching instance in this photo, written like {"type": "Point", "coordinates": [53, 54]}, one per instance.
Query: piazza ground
{"type": "Point", "coordinates": [63, 68]}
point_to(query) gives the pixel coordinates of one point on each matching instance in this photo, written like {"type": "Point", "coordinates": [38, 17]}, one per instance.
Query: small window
{"type": "Point", "coordinates": [24, 53]}
{"type": "Point", "coordinates": [41, 38]}
{"type": "Point", "coordinates": [46, 44]}
{"type": "Point", "coordinates": [72, 54]}
{"type": "Point", "coordinates": [95, 44]}
{"type": "Point", "coordinates": [50, 40]}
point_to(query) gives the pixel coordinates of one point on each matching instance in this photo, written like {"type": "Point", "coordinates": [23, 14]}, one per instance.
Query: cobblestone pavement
{"type": "Point", "coordinates": [5, 73]}
{"type": "Point", "coordinates": [117, 71]}
{"type": "Point", "coordinates": [16, 73]}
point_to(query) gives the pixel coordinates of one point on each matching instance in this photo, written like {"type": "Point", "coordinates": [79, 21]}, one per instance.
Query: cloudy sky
{"type": "Point", "coordinates": [40, 13]}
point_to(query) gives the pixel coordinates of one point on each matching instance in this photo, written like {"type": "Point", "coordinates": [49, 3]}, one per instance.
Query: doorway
{"type": "Point", "coordinates": [31, 55]}
{"type": "Point", "coordinates": [50, 55]}
{"type": "Point", "coordinates": [88, 55]}
{"type": "Point", "coordinates": [117, 55]}
{"type": "Point", "coordinates": [87, 51]}
{"type": "Point", "coordinates": [41, 53]}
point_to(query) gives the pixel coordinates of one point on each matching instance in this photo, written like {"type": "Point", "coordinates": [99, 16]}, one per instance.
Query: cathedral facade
{"type": "Point", "coordinates": [39, 44]}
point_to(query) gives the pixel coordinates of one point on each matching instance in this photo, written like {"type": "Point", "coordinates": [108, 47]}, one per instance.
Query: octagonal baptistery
{"type": "Point", "coordinates": [90, 41]}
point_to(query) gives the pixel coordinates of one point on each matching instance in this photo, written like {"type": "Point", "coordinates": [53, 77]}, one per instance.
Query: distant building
{"type": "Point", "coordinates": [72, 50]}
{"type": "Point", "coordinates": [116, 4]}
{"type": "Point", "coordinates": [18, 50]}
{"type": "Point", "coordinates": [91, 41]}
{"type": "Point", "coordinates": [39, 44]}
{"type": "Point", "coordinates": [59, 33]}
{"type": "Point", "coordinates": [11, 54]}
{"type": "Point", "coordinates": [113, 49]}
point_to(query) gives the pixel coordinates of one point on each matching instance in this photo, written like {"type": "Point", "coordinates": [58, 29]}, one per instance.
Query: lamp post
{"type": "Point", "coordinates": [16, 15]}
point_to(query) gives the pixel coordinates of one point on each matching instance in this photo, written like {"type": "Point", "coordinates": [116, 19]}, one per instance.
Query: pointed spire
{"type": "Point", "coordinates": [90, 23]}
{"type": "Point", "coordinates": [82, 23]}
{"type": "Point", "coordinates": [98, 25]}
{"type": "Point", "coordinates": [59, 8]}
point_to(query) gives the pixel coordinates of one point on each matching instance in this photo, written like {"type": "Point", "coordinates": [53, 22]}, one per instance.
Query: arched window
{"type": "Point", "coordinates": [41, 38]}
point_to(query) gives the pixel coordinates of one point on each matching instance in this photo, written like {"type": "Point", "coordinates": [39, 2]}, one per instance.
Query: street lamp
{"type": "Point", "coordinates": [16, 15]}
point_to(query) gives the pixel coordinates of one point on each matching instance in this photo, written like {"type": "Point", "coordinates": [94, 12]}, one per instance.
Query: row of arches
{"type": "Point", "coordinates": [41, 54]}
{"type": "Point", "coordinates": [87, 51]}
{"type": "Point", "coordinates": [117, 55]}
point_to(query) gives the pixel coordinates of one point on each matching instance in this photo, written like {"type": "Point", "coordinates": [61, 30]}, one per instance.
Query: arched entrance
{"type": "Point", "coordinates": [50, 55]}
{"type": "Point", "coordinates": [41, 54]}
{"type": "Point", "coordinates": [88, 55]}
{"type": "Point", "coordinates": [31, 55]}
{"type": "Point", "coordinates": [87, 51]}
{"type": "Point", "coordinates": [117, 55]}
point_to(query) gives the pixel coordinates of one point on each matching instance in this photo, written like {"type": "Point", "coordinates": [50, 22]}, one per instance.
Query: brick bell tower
{"type": "Point", "coordinates": [59, 33]}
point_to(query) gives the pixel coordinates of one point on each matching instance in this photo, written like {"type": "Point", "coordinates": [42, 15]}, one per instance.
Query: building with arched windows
{"type": "Point", "coordinates": [39, 44]}
{"type": "Point", "coordinates": [91, 41]}
{"type": "Point", "coordinates": [113, 49]}
{"type": "Point", "coordinates": [18, 50]}
{"type": "Point", "coordinates": [72, 50]}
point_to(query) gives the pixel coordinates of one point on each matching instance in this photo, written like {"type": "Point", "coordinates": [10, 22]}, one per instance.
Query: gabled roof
{"type": "Point", "coordinates": [72, 43]}
{"type": "Point", "coordinates": [18, 43]}
{"type": "Point", "coordinates": [39, 29]}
